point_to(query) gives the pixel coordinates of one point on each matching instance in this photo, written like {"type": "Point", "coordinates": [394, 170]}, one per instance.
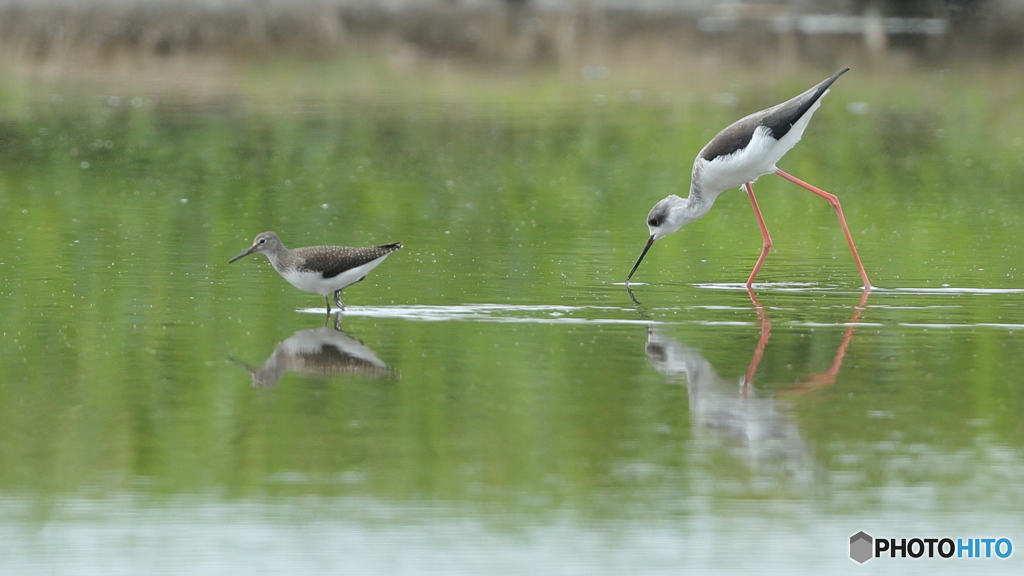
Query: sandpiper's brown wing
{"type": "Point", "coordinates": [778, 119]}
{"type": "Point", "coordinates": [330, 360]}
{"type": "Point", "coordinates": [333, 260]}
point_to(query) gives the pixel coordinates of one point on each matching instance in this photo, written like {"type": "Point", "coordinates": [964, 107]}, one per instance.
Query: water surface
{"type": "Point", "coordinates": [493, 399]}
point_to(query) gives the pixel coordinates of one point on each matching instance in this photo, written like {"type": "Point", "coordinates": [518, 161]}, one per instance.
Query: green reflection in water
{"type": "Point", "coordinates": [120, 317]}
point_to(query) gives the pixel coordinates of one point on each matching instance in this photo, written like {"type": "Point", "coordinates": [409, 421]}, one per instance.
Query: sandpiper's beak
{"type": "Point", "coordinates": [650, 242]}
{"type": "Point", "coordinates": [248, 251]}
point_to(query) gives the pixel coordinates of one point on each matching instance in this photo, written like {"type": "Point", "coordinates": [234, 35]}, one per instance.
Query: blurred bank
{"type": "Point", "coordinates": [577, 38]}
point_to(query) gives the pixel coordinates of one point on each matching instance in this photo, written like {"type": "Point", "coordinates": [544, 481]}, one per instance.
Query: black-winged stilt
{"type": "Point", "coordinates": [746, 150]}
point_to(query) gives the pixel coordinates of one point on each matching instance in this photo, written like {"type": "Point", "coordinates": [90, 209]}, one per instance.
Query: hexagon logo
{"type": "Point", "coordinates": [861, 547]}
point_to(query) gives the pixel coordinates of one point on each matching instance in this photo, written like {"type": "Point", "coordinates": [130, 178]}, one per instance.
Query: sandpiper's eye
{"type": "Point", "coordinates": [653, 221]}
{"type": "Point", "coordinates": [263, 240]}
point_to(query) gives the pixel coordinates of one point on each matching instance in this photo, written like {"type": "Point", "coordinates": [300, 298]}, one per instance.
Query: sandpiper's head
{"type": "Point", "coordinates": [264, 242]}
{"type": "Point", "coordinates": [665, 218]}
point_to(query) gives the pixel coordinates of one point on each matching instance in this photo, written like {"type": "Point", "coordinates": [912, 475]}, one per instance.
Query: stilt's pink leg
{"type": "Point", "coordinates": [834, 201]}
{"type": "Point", "coordinates": [767, 244]}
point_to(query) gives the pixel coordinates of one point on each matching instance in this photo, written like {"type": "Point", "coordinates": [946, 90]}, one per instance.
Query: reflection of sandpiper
{"type": "Point", "coordinates": [319, 351]}
{"type": "Point", "coordinates": [763, 432]}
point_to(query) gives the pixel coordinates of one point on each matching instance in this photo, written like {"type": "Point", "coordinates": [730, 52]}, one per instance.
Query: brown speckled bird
{"type": "Point", "coordinates": [320, 269]}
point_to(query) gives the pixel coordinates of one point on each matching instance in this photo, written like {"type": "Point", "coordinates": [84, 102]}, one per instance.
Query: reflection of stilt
{"type": "Point", "coordinates": [828, 377]}
{"type": "Point", "coordinates": [766, 333]}
{"type": "Point", "coordinates": [755, 427]}
{"type": "Point", "coordinates": [631, 297]}
{"type": "Point", "coordinates": [818, 381]}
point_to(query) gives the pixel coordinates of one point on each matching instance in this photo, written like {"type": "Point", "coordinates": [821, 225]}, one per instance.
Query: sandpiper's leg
{"type": "Point", "coordinates": [834, 201]}
{"type": "Point", "coordinates": [337, 299]}
{"type": "Point", "coordinates": [328, 301]}
{"type": "Point", "coordinates": [766, 245]}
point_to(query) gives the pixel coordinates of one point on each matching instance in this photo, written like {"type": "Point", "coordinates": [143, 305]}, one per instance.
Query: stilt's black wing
{"type": "Point", "coordinates": [778, 119]}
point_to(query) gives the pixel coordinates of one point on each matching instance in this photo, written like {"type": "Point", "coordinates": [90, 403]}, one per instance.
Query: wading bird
{"type": "Point", "coordinates": [736, 157]}
{"type": "Point", "coordinates": [320, 269]}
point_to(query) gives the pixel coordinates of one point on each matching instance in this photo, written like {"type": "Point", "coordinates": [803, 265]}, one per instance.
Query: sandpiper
{"type": "Point", "coordinates": [320, 269]}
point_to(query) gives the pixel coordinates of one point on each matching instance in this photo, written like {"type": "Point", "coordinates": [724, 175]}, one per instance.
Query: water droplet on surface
{"type": "Point", "coordinates": [858, 108]}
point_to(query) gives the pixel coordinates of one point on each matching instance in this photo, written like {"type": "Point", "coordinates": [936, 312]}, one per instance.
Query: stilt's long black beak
{"type": "Point", "coordinates": [650, 241]}
{"type": "Point", "coordinates": [247, 251]}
